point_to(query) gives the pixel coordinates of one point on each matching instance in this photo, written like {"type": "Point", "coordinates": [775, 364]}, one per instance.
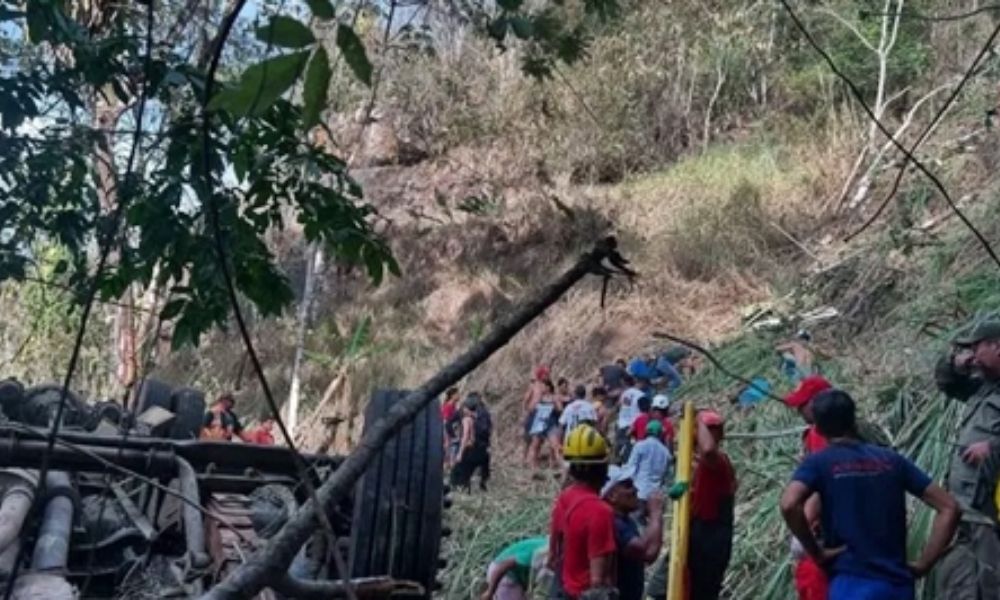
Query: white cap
{"type": "Point", "coordinates": [617, 475]}
{"type": "Point", "coordinates": [661, 401]}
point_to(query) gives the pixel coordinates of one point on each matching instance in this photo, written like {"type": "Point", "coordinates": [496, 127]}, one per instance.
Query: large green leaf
{"type": "Point", "coordinates": [321, 9]}
{"type": "Point", "coordinates": [286, 32]}
{"type": "Point", "coordinates": [354, 53]}
{"type": "Point", "coordinates": [261, 85]}
{"type": "Point", "coordinates": [317, 82]}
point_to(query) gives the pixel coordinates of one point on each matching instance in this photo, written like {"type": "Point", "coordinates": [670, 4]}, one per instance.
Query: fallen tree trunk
{"type": "Point", "coordinates": [269, 565]}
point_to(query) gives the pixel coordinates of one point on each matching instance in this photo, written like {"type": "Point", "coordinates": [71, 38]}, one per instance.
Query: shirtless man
{"type": "Point", "coordinates": [536, 389]}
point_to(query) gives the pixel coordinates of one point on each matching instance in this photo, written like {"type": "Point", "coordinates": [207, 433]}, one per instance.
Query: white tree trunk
{"type": "Point", "coordinates": [313, 259]}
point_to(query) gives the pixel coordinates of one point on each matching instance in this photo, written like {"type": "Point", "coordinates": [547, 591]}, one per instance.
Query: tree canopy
{"type": "Point", "coordinates": [112, 149]}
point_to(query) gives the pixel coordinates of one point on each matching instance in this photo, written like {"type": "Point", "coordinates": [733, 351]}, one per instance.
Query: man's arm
{"type": "Point", "coordinates": [670, 372]}
{"type": "Point", "coordinates": [813, 509]}
{"type": "Point", "coordinates": [793, 502]}
{"type": "Point", "coordinates": [943, 528]}
{"type": "Point", "coordinates": [708, 447]}
{"type": "Point", "coordinates": [600, 570]}
{"type": "Point", "coordinates": [467, 425]}
{"type": "Point", "coordinates": [502, 568]}
{"type": "Point", "coordinates": [647, 546]}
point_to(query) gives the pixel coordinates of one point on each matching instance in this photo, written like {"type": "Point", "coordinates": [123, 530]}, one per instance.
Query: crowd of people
{"type": "Point", "coordinates": [844, 505]}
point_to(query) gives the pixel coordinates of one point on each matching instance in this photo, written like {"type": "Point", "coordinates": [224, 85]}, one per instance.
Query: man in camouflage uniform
{"type": "Point", "coordinates": [971, 373]}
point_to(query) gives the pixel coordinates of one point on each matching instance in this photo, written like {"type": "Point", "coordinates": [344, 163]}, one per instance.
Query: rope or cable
{"type": "Point", "coordinates": [878, 123]}
{"type": "Point", "coordinates": [106, 243]}
{"type": "Point", "coordinates": [987, 47]}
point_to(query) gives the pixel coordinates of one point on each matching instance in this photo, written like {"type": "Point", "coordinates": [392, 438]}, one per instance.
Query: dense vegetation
{"type": "Point", "coordinates": [458, 151]}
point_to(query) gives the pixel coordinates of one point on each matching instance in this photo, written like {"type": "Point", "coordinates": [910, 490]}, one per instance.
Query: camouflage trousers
{"type": "Point", "coordinates": [971, 568]}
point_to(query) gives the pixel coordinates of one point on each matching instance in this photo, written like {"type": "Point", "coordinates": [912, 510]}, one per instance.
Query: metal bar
{"type": "Point", "coordinates": [133, 512]}
{"type": "Point", "coordinates": [52, 547]}
{"type": "Point", "coordinates": [194, 526]}
{"type": "Point", "coordinates": [682, 508]}
{"type": "Point", "coordinates": [223, 456]}
{"type": "Point", "coordinates": [15, 451]}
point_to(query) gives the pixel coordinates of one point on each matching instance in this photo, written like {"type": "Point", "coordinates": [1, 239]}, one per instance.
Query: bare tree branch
{"type": "Point", "coordinates": [987, 247]}
{"type": "Point", "coordinates": [271, 563]}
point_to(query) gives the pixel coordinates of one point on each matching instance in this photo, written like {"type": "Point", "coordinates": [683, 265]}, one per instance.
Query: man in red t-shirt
{"type": "Point", "coordinates": [713, 500]}
{"type": "Point", "coordinates": [657, 412]}
{"type": "Point", "coordinates": [810, 579]}
{"type": "Point", "coordinates": [582, 531]}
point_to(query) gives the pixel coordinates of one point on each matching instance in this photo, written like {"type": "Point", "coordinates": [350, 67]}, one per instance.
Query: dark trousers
{"type": "Point", "coordinates": [971, 568]}
{"type": "Point", "coordinates": [709, 551]}
{"type": "Point", "coordinates": [474, 459]}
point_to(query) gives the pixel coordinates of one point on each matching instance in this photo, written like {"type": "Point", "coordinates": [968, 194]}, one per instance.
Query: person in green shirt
{"type": "Point", "coordinates": [510, 574]}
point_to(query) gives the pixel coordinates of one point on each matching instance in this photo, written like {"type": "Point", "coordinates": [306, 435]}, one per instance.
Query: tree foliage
{"type": "Point", "coordinates": [101, 114]}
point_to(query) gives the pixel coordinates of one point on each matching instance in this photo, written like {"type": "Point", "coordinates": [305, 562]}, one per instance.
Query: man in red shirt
{"type": "Point", "coordinates": [582, 530]}
{"type": "Point", "coordinates": [657, 412]}
{"type": "Point", "coordinates": [713, 500]}
{"type": "Point", "coordinates": [810, 579]}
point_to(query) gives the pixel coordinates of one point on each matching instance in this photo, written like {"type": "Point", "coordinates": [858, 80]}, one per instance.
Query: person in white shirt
{"type": "Point", "coordinates": [628, 412]}
{"type": "Point", "coordinates": [577, 412]}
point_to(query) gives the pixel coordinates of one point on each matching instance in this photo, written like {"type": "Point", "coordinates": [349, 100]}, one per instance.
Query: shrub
{"type": "Point", "coordinates": [713, 237]}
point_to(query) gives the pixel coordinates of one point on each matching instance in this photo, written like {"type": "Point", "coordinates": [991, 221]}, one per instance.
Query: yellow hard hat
{"type": "Point", "coordinates": [585, 444]}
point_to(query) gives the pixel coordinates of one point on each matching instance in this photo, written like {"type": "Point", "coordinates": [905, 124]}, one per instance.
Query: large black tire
{"type": "Point", "coordinates": [189, 406]}
{"type": "Point", "coordinates": [153, 392]}
{"type": "Point", "coordinates": [396, 526]}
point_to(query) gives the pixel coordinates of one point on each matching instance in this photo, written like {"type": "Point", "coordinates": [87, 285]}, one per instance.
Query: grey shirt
{"type": "Point", "coordinates": [974, 485]}
{"type": "Point", "coordinates": [650, 459]}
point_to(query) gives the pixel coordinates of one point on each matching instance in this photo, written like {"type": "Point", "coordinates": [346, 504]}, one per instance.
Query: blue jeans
{"type": "Point", "coordinates": [852, 587]}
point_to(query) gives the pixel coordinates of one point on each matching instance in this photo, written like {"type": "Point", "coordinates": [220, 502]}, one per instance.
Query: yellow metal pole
{"type": "Point", "coordinates": [681, 526]}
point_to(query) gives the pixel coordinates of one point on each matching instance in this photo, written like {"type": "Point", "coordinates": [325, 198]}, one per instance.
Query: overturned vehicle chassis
{"type": "Point", "coordinates": [198, 509]}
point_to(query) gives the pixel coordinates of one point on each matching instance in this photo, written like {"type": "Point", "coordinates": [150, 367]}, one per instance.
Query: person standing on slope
{"type": "Point", "coordinates": [635, 549]}
{"type": "Point", "coordinates": [577, 412]}
{"type": "Point", "coordinates": [658, 410]}
{"type": "Point", "coordinates": [863, 492]}
{"type": "Point", "coordinates": [545, 428]}
{"type": "Point", "coordinates": [451, 418]}
{"type": "Point", "coordinates": [474, 448]}
{"type": "Point", "coordinates": [529, 402]}
{"type": "Point", "coordinates": [650, 459]}
{"type": "Point", "coordinates": [971, 569]}
{"type": "Point", "coordinates": [581, 529]}
{"type": "Point", "coordinates": [628, 412]}
{"type": "Point", "coordinates": [810, 578]}
{"type": "Point", "coordinates": [713, 501]}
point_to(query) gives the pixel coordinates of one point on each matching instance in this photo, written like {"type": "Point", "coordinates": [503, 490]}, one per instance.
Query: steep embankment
{"type": "Point", "coordinates": [899, 292]}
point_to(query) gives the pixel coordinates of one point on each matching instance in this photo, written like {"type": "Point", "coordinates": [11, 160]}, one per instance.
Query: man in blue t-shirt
{"type": "Point", "coordinates": [863, 492]}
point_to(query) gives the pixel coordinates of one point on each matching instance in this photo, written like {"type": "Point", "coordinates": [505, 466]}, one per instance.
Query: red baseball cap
{"type": "Point", "coordinates": [541, 372]}
{"type": "Point", "coordinates": [807, 390]}
{"type": "Point", "coordinates": [710, 418]}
